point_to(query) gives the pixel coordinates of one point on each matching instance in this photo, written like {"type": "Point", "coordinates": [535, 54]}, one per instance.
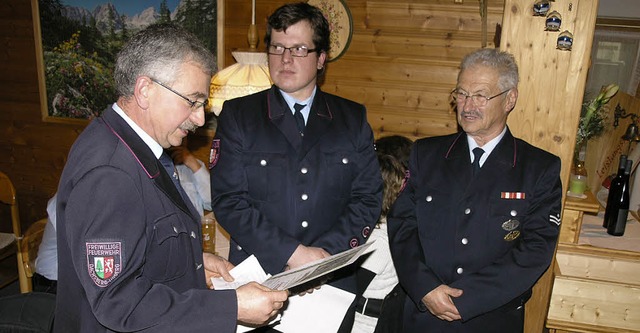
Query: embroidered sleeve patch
{"type": "Point", "coordinates": [555, 219]}
{"type": "Point", "coordinates": [104, 262]}
{"type": "Point", "coordinates": [214, 154]}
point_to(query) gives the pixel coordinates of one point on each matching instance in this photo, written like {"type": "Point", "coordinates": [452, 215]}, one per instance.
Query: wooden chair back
{"type": "Point", "coordinates": [29, 245]}
{"type": "Point", "coordinates": [8, 197]}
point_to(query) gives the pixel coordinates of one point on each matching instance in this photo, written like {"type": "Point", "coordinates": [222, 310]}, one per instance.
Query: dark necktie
{"type": "Point", "coordinates": [298, 116]}
{"type": "Point", "coordinates": [477, 153]}
{"type": "Point", "coordinates": [168, 165]}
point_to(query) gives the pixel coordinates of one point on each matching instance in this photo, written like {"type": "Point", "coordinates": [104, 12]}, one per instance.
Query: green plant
{"type": "Point", "coordinates": [79, 85]}
{"type": "Point", "coordinates": [593, 116]}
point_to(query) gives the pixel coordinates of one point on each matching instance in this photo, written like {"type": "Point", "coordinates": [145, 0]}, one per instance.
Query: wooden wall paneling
{"type": "Point", "coordinates": [403, 56]}
{"type": "Point", "coordinates": [551, 89]}
{"type": "Point", "coordinates": [34, 150]}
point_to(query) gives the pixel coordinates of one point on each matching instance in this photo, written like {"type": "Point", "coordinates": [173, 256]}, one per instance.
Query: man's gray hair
{"type": "Point", "coordinates": [504, 62]}
{"type": "Point", "coordinates": [158, 51]}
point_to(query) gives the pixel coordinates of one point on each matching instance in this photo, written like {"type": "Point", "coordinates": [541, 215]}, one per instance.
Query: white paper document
{"type": "Point", "coordinates": [319, 312]}
{"type": "Point", "coordinates": [312, 270]}
{"type": "Point", "coordinates": [247, 271]}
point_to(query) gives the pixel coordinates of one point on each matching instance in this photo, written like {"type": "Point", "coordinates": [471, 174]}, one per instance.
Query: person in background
{"type": "Point", "coordinates": [294, 173]}
{"type": "Point", "coordinates": [380, 299]}
{"type": "Point", "coordinates": [45, 277]}
{"type": "Point", "coordinates": [397, 146]}
{"type": "Point", "coordinates": [194, 177]}
{"type": "Point", "coordinates": [129, 242]}
{"type": "Point", "coordinates": [477, 223]}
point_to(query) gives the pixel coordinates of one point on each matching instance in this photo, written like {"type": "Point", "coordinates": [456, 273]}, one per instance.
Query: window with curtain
{"type": "Point", "coordinates": [615, 56]}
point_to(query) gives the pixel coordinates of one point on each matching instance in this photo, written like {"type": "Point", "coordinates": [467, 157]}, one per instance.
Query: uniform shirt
{"type": "Point", "coordinates": [47, 259]}
{"type": "Point", "coordinates": [197, 185]}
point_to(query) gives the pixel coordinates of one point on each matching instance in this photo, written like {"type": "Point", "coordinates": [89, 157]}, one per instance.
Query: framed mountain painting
{"type": "Point", "coordinates": [77, 42]}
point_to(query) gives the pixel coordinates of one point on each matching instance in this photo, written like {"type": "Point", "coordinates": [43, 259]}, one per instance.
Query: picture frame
{"type": "Point", "coordinates": [341, 24]}
{"type": "Point", "coordinates": [75, 58]}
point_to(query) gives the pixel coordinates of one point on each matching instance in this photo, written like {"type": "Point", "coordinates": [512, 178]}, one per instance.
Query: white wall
{"type": "Point", "coordinates": [619, 8]}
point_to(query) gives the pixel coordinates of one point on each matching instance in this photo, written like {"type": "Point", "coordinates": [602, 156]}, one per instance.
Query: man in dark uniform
{"type": "Point", "coordinates": [129, 240]}
{"type": "Point", "coordinates": [294, 173]}
{"type": "Point", "coordinates": [470, 240]}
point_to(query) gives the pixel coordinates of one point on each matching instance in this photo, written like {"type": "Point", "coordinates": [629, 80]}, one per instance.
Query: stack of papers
{"type": "Point", "coordinates": [327, 305]}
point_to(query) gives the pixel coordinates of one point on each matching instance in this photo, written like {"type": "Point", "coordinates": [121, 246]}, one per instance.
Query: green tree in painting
{"type": "Point", "coordinates": [199, 17]}
{"type": "Point", "coordinates": [165, 14]}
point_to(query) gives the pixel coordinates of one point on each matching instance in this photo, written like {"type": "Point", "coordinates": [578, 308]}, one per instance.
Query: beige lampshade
{"type": "Point", "coordinates": [250, 74]}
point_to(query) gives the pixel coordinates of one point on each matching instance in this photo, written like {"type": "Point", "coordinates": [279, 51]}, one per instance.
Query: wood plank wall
{"type": "Point", "coordinates": [402, 61]}
{"type": "Point", "coordinates": [33, 152]}
{"type": "Point", "coordinates": [401, 64]}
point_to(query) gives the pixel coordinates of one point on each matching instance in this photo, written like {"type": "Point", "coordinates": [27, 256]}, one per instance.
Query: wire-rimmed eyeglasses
{"type": "Point", "coordinates": [479, 100]}
{"type": "Point", "coordinates": [194, 105]}
{"type": "Point", "coordinates": [296, 51]}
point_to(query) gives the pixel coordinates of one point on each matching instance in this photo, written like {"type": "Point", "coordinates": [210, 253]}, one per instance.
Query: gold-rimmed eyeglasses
{"type": "Point", "coordinates": [193, 105]}
{"type": "Point", "coordinates": [479, 100]}
{"type": "Point", "coordinates": [296, 51]}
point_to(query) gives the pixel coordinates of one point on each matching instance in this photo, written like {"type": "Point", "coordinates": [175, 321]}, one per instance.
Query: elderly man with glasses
{"type": "Point", "coordinates": [129, 240]}
{"type": "Point", "coordinates": [477, 223]}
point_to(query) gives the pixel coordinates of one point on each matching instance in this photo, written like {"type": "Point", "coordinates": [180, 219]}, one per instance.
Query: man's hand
{"type": "Point", "coordinates": [306, 254]}
{"type": "Point", "coordinates": [440, 304]}
{"type": "Point", "coordinates": [216, 266]}
{"type": "Point", "coordinates": [257, 303]}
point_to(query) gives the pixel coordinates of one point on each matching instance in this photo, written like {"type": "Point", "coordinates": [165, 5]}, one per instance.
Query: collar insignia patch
{"type": "Point", "coordinates": [214, 154]}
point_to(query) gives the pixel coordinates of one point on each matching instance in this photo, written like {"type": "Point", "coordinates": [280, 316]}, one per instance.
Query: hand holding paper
{"type": "Point", "coordinates": [257, 303]}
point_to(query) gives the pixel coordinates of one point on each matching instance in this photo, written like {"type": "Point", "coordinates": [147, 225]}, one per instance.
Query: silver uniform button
{"type": "Point", "coordinates": [464, 241]}
{"type": "Point", "coordinates": [304, 224]}
{"type": "Point", "coordinates": [514, 213]}
{"type": "Point", "coordinates": [239, 248]}
{"type": "Point", "coordinates": [193, 234]}
{"type": "Point", "coordinates": [304, 170]}
{"type": "Point", "coordinates": [345, 160]}
{"type": "Point", "coordinates": [304, 197]}
{"type": "Point", "coordinates": [429, 198]}
{"type": "Point", "coordinates": [263, 162]}
{"type": "Point", "coordinates": [198, 266]}
{"type": "Point", "coordinates": [467, 211]}
{"type": "Point", "coordinates": [459, 270]}
{"type": "Point", "coordinates": [175, 230]}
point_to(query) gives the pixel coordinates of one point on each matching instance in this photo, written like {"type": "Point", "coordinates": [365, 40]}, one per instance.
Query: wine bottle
{"type": "Point", "coordinates": [615, 190]}
{"type": "Point", "coordinates": [616, 226]}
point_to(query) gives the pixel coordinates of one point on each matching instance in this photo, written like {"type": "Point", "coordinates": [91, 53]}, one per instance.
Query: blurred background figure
{"type": "Point", "coordinates": [379, 298]}
{"type": "Point", "coordinates": [193, 175]}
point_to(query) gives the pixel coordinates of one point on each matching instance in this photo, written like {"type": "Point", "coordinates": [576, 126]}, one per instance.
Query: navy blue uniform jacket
{"type": "Point", "coordinates": [129, 248]}
{"type": "Point", "coordinates": [448, 227]}
{"type": "Point", "coordinates": [273, 189]}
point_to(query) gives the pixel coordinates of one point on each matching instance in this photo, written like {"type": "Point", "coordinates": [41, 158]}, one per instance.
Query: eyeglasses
{"type": "Point", "coordinates": [479, 100]}
{"type": "Point", "coordinates": [194, 105]}
{"type": "Point", "coordinates": [296, 51]}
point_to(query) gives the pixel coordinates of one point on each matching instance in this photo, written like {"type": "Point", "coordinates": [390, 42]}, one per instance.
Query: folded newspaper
{"type": "Point", "coordinates": [250, 270]}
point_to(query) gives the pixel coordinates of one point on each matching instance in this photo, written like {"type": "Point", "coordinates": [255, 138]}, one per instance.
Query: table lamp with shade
{"type": "Point", "coordinates": [250, 73]}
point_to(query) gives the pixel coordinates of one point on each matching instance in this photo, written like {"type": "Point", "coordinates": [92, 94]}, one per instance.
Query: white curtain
{"type": "Point", "coordinates": [615, 58]}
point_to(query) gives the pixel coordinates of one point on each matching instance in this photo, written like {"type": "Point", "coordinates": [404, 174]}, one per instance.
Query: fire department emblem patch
{"type": "Point", "coordinates": [214, 154]}
{"type": "Point", "coordinates": [104, 262]}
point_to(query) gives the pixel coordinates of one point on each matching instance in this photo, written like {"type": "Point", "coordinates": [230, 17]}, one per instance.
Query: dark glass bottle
{"type": "Point", "coordinates": [616, 226]}
{"type": "Point", "coordinates": [615, 190]}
